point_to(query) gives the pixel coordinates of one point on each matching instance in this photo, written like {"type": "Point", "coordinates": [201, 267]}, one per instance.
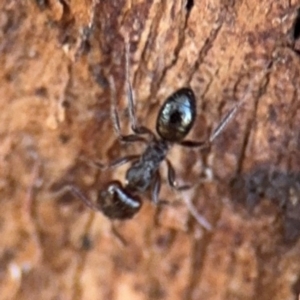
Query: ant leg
{"type": "Point", "coordinates": [115, 163]}
{"type": "Point", "coordinates": [155, 192]}
{"type": "Point", "coordinates": [88, 202]}
{"type": "Point", "coordinates": [118, 236]}
{"type": "Point", "coordinates": [205, 144]}
{"type": "Point", "coordinates": [116, 120]}
{"type": "Point", "coordinates": [199, 218]}
{"type": "Point", "coordinates": [137, 129]}
{"type": "Point", "coordinates": [230, 115]}
{"type": "Point", "coordinates": [78, 194]}
{"type": "Point", "coordinates": [156, 188]}
{"type": "Point", "coordinates": [172, 178]}
{"type": "Point", "coordinates": [192, 209]}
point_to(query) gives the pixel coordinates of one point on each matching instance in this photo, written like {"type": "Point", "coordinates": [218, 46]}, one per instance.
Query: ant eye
{"type": "Point", "coordinates": [177, 115]}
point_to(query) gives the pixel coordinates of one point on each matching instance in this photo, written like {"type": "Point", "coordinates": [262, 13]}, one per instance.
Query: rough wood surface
{"type": "Point", "coordinates": [54, 119]}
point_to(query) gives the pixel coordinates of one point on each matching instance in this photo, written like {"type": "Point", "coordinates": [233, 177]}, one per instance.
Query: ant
{"type": "Point", "coordinates": [175, 119]}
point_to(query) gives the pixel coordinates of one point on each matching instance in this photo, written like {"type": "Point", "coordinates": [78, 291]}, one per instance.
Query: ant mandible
{"type": "Point", "coordinates": [174, 121]}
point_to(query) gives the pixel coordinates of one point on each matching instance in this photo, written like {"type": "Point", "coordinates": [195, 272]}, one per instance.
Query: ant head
{"type": "Point", "coordinates": [116, 202]}
{"type": "Point", "coordinates": [177, 115]}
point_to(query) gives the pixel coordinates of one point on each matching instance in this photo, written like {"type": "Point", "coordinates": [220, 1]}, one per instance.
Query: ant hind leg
{"type": "Point", "coordinates": [75, 191]}
{"type": "Point", "coordinates": [172, 178]}
{"type": "Point", "coordinates": [156, 188]}
{"type": "Point", "coordinates": [123, 242]}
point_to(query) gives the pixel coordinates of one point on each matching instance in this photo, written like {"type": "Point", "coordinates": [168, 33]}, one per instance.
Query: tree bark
{"type": "Point", "coordinates": [58, 58]}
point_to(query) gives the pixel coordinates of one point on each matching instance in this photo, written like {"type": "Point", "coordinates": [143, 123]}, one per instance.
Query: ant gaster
{"type": "Point", "coordinates": [174, 121]}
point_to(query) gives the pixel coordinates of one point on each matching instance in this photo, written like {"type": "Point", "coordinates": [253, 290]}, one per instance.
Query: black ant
{"type": "Point", "coordinates": [174, 121]}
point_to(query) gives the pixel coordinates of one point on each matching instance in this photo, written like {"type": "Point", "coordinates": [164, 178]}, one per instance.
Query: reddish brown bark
{"type": "Point", "coordinates": [54, 118]}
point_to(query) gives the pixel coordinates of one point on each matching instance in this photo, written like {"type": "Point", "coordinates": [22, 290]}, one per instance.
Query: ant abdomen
{"type": "Point", "coordinates": [177, 115]}
{"type": "Point", "coordinates": [117, 202]}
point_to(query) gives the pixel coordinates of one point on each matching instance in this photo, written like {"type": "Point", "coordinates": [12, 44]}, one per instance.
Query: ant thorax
{"type": "Point", "coordinates": [141, 173]}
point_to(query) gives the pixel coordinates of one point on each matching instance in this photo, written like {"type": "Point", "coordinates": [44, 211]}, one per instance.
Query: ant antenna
{"type": "Point", "coordinates": [198, 217]}
{"type": "Point", "coordinates": [113, 105]}
{"type": "Point", "coordinates": [128, 83]}
{"type": "Point", "coordinates": [230, 115]}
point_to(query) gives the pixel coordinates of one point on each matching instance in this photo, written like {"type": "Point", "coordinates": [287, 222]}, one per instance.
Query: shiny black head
{"type": "Point", "coordinates": [177, 115]}
{"type": "Point", "coordinates": [117, 202]}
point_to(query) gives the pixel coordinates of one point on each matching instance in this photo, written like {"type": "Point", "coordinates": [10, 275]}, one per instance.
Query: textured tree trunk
{"type": "Point", "coordinates": [57, 59]}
